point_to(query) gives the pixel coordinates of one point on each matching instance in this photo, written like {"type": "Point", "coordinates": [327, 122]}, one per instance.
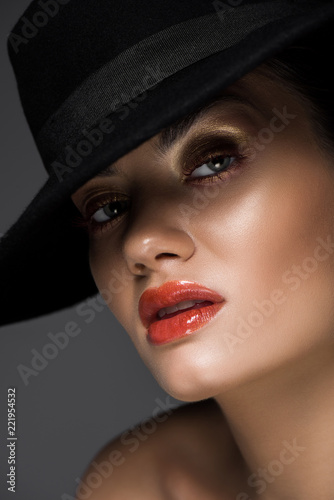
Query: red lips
{"type": "Point", "coordinates": [180, 323]}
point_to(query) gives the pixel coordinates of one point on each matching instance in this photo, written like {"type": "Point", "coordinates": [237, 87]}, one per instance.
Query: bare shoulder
{"type": "Point", "coordinates": [148, 459]}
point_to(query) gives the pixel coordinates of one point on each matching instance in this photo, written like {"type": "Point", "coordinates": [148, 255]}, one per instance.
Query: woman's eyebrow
{"type": "Point", "coordinates": [175, 132]}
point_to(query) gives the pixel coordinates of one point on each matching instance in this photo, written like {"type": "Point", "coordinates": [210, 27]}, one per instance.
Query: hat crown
{"type": "Point", "coordinates": [53, 53]}
{"type": "Point", "coordinates": [57, 45]}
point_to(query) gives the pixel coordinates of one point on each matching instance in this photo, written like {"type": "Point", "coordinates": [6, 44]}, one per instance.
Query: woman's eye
{"type": "Point", "coordinates": [107, 211]}
{"type": "Point", "coordinates": [215, 165]}
{"type": "Point", "coordinates": [110, 211]}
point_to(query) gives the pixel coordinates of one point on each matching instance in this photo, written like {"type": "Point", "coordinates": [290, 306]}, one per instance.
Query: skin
{"type": "Point", "coordinates": [257, 239]}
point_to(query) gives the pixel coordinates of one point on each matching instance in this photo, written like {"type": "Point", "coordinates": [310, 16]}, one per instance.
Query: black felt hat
{"type": "Point", "coordinates": [99, 77]}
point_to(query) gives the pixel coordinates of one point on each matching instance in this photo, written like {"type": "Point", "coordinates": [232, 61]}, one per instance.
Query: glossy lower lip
{"type": "Point", "coordinates": [182, 324]}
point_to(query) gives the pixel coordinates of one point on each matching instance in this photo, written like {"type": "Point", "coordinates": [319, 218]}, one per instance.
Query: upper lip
{"type": "Point", "coordinates": [170, 294]}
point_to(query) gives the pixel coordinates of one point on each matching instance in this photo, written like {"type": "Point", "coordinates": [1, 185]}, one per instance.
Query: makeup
{"type": "Point", "coordinates": [177, 309]}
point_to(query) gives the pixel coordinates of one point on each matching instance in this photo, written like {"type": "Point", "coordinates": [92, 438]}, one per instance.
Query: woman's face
{"type": "Point", "coordinates": [258, 229]}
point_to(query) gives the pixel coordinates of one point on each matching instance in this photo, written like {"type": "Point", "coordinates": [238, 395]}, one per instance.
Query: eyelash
{"type": "Point", "coordinates": [91, 226]}
{"type": "Point", "coordinates": [204, 159]}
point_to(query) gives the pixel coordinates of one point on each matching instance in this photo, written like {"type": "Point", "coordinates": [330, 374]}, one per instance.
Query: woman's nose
{"type": "Point", "coordinates": [154, 239]}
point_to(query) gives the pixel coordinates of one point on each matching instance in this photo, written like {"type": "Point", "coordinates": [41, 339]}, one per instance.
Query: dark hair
{"type": "Point", "coordinates": [305, 68]}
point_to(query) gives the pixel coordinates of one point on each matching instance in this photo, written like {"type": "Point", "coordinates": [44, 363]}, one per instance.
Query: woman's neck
{"type": "Point", "coordinates": [283, 426]}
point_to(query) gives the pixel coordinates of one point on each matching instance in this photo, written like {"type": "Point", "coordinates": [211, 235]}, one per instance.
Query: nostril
{"type": "Point", "coordinates": [166, 255]}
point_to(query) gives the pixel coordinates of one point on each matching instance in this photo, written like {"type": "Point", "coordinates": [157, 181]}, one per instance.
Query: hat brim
{"type": "Point", "coordinates": [43, 257]}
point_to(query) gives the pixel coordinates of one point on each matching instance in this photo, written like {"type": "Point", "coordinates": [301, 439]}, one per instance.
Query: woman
{"type": "Point", "coordinates": [221, 207]}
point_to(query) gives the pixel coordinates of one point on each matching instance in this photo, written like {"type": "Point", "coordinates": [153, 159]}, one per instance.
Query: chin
{"type": "Point", "coordinates": [190, 372]}
{"type": "Point", "coordinates": [189, 394]}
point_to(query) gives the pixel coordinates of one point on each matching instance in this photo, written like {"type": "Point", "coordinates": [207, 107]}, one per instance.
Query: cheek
{"type": "Point", "coordinates": [274, 267]}
{"type": "Point", "coordinates": [112, 277]}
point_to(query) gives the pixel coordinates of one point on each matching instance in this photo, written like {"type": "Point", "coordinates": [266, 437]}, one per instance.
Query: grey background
{"type": "Point", "coordinates": [97, 387]}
